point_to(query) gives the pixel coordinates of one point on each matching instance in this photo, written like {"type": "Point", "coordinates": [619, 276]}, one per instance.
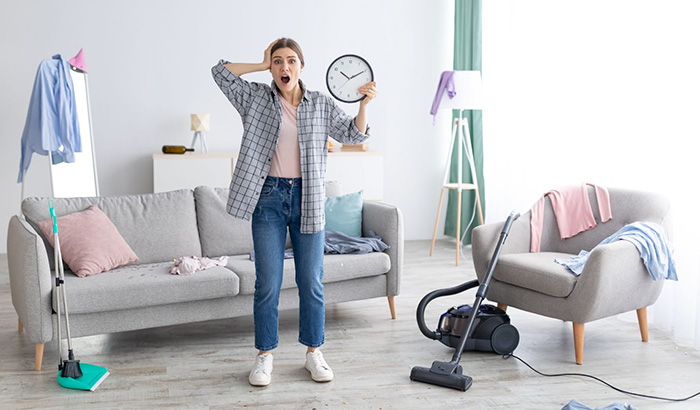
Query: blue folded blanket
{"type": "Point", "coordinates": [648, 237]}
{"type": "Point", "coordinates": [340, 243]}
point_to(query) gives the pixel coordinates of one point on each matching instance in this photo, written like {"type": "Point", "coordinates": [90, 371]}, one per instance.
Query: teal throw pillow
{"type": "Point", "coordinates": [344, 214]}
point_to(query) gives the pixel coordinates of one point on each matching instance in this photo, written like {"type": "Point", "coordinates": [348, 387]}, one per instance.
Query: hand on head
{"type": "Point", "coordinates": [267, 58]}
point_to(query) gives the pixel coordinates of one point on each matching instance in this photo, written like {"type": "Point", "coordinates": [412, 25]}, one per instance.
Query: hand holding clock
{"type": "Point", "coordinates": [370, 91]}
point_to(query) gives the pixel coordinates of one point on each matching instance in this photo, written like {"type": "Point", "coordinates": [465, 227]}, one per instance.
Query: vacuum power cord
{"type": "Point", "coordinates": [507, 356]}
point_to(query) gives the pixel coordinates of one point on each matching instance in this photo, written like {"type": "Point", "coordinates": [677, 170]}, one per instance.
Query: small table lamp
{"type": "Point", "coordinates": [467, 95]}
{"type": "Point", "coordinates": [200, 123]}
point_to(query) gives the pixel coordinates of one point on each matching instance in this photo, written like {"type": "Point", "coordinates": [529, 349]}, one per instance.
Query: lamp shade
{"type": "Point", "coordinates": [200, 122]}
{"type": "Point", "coordinates": [467, 87]}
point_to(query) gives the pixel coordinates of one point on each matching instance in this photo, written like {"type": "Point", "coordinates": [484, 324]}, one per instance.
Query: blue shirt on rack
{"type": "Point", "coordinates": [52, 118]}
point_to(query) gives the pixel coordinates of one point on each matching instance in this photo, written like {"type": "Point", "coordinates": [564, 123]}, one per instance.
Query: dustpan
{"type": "Point", "coordinates": [92, 377]}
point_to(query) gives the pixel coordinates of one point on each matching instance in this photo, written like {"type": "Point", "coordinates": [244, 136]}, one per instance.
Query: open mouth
{"type": "Point", "coordinates": [285, 79]}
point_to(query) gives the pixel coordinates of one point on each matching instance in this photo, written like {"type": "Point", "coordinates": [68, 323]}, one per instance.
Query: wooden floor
{"type": "Point", "coordinates": [205, 365]}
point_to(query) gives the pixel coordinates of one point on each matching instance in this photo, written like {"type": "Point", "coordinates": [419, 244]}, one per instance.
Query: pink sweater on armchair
{"type": "Point", "coordinates": [572, 210]}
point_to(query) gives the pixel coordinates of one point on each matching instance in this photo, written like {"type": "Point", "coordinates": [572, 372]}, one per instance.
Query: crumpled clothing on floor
{"type": "Point", "coordinates": [576, 405]}
{"type": "Point", "coordinates": [188, 265]}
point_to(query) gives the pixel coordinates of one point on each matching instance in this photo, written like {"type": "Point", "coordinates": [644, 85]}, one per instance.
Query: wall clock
{"type": "Point", "coordinates": [346, 75]}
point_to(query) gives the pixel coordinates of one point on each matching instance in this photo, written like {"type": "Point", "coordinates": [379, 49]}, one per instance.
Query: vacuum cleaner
{"type": "Point", "coordinates": [487, 330]}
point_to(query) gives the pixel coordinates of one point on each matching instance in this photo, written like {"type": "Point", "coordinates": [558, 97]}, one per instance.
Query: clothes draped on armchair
{"type": "Point", "coordinates": [648, 237]}
{"type": "Point", "coordinates": [572, 210]}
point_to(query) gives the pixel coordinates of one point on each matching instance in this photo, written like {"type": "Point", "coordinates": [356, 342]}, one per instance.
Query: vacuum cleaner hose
{"type": "Point", "coordinates": [420, 311]}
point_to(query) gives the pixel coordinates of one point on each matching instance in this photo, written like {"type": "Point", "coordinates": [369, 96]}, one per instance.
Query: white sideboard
{"type": "Point", "coordinates": [358, 171]}
{"type": "Point", "coordinates": [354, 170]}
{"type": "Point", "coordinates": [189, 170]}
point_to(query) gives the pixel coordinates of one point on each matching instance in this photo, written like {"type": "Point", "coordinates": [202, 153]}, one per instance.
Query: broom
{"type": "Point", "coordinates": [71, 374]}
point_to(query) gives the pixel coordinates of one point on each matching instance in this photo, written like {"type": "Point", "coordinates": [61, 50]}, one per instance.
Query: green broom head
{"type": "Point", "coordinates": [71, 367]}
{"type": "Point", "coordinates": [92, 377]}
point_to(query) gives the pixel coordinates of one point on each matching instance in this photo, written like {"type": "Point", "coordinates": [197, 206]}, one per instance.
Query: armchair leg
{"type": "Point", "coordinates": [502, 306]}
{"type": "Point", "coordinates": [642, 319]}
{"type": "Point", "coordinates": [392, 307]}
{"type": "Point", "coordinates": [38, 356]}
{"type": "Point", "coordinates": [20, 326]}
{"type": "Point", "coordinates": [578, 342]}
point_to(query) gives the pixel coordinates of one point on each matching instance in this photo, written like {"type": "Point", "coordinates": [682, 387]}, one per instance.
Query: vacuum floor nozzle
{"type": "Point", "coordinates": [438, 375]}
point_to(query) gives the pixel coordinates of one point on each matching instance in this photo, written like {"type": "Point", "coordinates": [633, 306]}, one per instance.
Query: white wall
{"type": "Point", "coordinates": [149, 68]}
{"type": "Point", "coordinates": [603, 92]}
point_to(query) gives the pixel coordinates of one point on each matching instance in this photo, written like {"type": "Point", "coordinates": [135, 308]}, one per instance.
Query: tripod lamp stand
{"type": "Point", "coordinates": [466, 95]}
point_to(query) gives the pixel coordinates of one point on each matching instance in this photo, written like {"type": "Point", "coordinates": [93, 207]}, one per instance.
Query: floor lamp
{"type": "Point", "coordinates": [467, 96]}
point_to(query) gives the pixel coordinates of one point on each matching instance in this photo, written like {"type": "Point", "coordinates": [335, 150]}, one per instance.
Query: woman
{"type": "Point", "coordinates": [279, 183]}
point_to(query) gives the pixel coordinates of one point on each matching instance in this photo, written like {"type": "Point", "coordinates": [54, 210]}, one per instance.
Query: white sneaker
{"type": "Point", "coordinates": [261, 374]}
{"type": "Point", "coordinates": [320, 371]}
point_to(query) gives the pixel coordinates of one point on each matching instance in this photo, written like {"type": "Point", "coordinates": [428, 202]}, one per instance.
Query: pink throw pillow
{"type": "Point", "coordinates": [90, 243]}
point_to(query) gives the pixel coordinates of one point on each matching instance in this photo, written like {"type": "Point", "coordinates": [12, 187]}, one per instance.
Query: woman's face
{"type": "Point", "coordinates": [285, 69]}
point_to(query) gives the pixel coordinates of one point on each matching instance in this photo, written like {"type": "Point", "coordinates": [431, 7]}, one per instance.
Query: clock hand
{"type": "Point", "coordinates": [357, 74]}
{"type": "Point", "coordinates": [344, 75]}
{"type": "Point", "coordinates": [346, 81]}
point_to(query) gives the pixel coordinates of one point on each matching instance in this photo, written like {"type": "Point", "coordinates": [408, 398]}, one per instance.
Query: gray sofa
{"type": "Point", "coordinates": [159, 228]}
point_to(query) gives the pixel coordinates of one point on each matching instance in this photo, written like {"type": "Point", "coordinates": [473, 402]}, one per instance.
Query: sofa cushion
{"type": "Point", "coordinates": [90, 243]}
{"type": "Point", "coordinates": [536, 271]}
{"type": "Point", "coordinates": [158, 227]}
{"type": "Point", "coordinates": [220, 233]}
{"type": "Point", "coordinates": [138, 286]}
{"type": "Point", "coordinates": [336, 268]}
{"type": "Point", "coordinates": [344, 214]}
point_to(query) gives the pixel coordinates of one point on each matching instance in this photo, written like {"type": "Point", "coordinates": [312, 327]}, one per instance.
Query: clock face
{"type": "Point", "coordinates": [346, 75]}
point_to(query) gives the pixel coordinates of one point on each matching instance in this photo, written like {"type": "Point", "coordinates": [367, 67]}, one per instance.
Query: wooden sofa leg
{"type": "Point", "coordinates": [38, 356]}
{"type": "Point", "coordinates": [642, 319]}
{"type": "Point", "coordinates": [392, 307]}
{"type": "Point", "coordinates": [20, 326]}
{"type": "Point", "coordinates": [502, 306]}
{"type": "Point", "coordinates": [578, 342]}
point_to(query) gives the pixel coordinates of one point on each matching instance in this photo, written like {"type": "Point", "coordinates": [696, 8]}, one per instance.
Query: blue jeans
{"type": "Point", "coordinates": [279, 208]}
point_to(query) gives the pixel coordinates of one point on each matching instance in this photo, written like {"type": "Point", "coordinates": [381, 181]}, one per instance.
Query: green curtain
{"type": "Point", "coordinates": [467, 56]}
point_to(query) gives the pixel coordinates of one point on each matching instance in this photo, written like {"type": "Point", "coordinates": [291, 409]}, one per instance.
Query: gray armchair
{"type": "Point", "coordinates": [614, 279]}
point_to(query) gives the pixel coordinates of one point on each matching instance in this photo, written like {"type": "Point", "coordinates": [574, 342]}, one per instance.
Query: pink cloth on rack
{"type": "Point", "coordinates": [79, 61]}
{"type": "Point", "coordinates": [572, 210]}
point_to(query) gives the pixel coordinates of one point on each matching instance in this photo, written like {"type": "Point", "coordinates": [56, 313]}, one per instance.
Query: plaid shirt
{"type": "Point", "coordinates": [318, 117]}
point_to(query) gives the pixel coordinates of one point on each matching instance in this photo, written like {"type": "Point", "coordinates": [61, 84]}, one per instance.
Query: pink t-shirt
{"type": "Point", "coordinates": [286, 163]}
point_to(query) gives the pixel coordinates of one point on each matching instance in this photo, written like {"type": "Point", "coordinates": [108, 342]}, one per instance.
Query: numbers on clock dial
{"type": "Point", "coordinates": [346, 75]}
